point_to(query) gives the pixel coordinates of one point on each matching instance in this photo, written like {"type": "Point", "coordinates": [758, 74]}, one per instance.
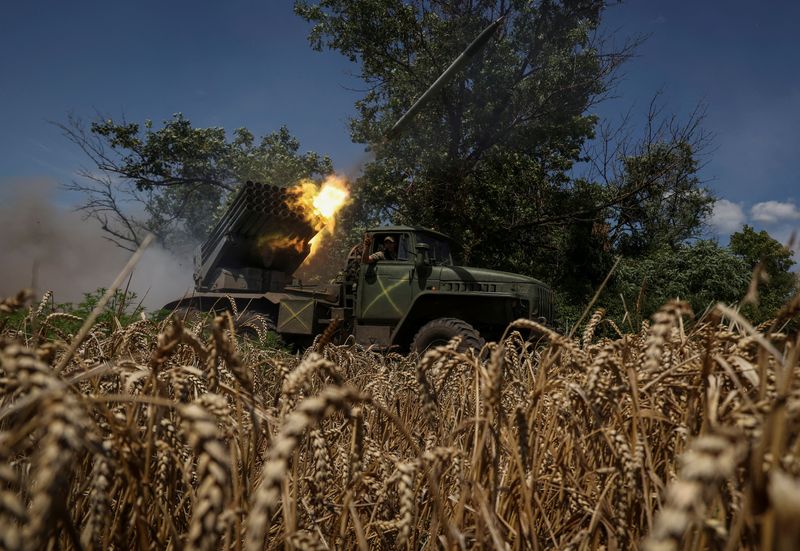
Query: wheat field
{"type": "Point", "coordinates": [684, 434]}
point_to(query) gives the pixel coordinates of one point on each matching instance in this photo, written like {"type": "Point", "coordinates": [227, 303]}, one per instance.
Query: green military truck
{"type": "Point", "coordinates": [418, 299]}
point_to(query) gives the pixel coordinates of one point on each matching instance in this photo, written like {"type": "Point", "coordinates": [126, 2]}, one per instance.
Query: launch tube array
{"type": "Point", "coordinates": [258, 210]}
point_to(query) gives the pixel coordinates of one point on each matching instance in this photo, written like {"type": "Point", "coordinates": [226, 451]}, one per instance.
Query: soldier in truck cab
{"type": "Point", "coordinates": [389, 251]}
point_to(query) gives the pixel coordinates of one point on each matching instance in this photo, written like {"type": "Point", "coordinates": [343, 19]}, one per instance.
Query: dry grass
{"type": "Point", "coordinates": [685, 435]}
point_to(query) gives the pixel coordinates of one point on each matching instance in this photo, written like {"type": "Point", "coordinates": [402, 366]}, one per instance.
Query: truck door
{"type": "Point", "coordinates": [385, 288]}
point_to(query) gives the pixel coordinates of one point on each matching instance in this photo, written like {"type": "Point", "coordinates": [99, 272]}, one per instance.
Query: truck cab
{"type": "Point", "coordinates": [396, 300]}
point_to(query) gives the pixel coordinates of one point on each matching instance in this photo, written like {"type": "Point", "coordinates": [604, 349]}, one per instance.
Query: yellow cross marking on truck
{"type": "Point", "coordinates": [385, 293]}
{"type": "Point", "coordinates": [296, 315]}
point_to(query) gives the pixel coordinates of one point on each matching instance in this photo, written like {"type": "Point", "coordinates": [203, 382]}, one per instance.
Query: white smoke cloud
{"type": "Point", "coordinates": [727, 217]}
{"type": "Point", "coordinates": [51, 247]}
{"type": "Point", "coordinates": [771, 212]}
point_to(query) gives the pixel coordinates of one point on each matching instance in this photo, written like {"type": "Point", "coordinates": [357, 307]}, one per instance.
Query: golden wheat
{"type": "Point", "coordinates": [683, 435]}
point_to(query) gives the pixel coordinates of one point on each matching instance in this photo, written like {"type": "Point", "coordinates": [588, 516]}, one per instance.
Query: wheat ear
{"type": "Point", "coordinates": [267, 497]}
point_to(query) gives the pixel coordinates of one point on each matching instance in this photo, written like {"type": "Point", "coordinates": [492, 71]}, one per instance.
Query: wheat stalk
{"type": "Point", "coordinates": [307, 415]}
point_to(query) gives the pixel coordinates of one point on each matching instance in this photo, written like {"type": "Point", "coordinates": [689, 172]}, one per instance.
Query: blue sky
{"type": "Point", "coordinates": [230, 64]}
{"type": "Point", "coordinates": [247, 63]}
{"type": "Point", "coordinates": [743, 61]}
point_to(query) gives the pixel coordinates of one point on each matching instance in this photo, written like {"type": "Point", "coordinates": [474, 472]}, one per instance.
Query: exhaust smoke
{"type": "Point", "coordinates": [48, 246]}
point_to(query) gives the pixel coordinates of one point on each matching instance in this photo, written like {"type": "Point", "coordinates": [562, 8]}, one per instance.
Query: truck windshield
{"type": "Point", "coordinates": [439, 252]}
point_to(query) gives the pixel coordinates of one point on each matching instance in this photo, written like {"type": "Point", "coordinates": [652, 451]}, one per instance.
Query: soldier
{"type": "Point", "coordinates": [389, 251]}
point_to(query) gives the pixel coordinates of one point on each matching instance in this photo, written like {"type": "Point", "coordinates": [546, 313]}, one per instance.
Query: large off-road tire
{"type": "Point", "coordinates": [439, 332]}
{"type": "Point", "coordinates": [255, 326]}
{"type": "Point", "coordinates": [189, 315]}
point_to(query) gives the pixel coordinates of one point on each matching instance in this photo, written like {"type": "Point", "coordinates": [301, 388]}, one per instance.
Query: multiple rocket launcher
{"type": "Point", "coordinates": [265, 229]}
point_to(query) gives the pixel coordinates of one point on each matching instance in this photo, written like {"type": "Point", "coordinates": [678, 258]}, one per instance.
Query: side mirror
{"type": "Point", "coordinates": [423, 256]}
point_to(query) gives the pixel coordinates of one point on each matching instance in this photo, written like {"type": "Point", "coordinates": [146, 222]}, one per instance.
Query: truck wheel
{"type": "Point", "coordinates": [255, 326]}
{"type": "Point", "coordinates": [439, 332]}
{"type": "Point", "coordinates": [189, 315]}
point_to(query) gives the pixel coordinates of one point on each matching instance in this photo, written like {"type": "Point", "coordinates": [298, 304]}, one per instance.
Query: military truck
{"type": "Point", "coordinates": [420, 299]}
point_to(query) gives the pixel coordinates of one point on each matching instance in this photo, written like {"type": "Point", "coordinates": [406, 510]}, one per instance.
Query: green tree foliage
{"type": "Point", "coordinates": [121, 310]}
{"type": "Point", "coordinates": [702, 273]}
{"type": "Point", "coordinates": [493, 159]}
{"type": "Point", "coordinates": [172, 180]}
{"type": "Point", "coordinates": [493, 150]}
{"type": "Point", "coordinates": [639, 194]}
{"type": "Point", "coordinates": [666, 204]}
{"type": "Point", "coordinates": [771, 263]}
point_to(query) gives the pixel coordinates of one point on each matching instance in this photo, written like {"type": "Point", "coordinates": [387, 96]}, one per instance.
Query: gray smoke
{"type": "Point", "coordinates": [52, 247]}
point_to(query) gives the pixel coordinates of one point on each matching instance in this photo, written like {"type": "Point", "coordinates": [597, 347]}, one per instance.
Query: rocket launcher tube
{"type": "Point", "coordinates": [474, 47]}
{"type": "Point", "coordinates": [261, 229]}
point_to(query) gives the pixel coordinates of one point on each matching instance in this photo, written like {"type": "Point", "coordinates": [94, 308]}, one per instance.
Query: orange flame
{"type": "Point", "coordinates": [280, 242]}
{"type": "Point", "coordinates": [319, 204]}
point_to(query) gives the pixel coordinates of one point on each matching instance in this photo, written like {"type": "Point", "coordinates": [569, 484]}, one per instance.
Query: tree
{"type": "Point", "coordinates": [771, 263]}
{"type": "Point", "coordinates": [492, 152]}
{"type": "Point", "coordinates": [702, 273]}
{"type": "Point", "coordinates": [654, 195]}
{"type": "Point", "coordinates": [494, 159]}
{"type": "Point", "coordinates": [172, 181]}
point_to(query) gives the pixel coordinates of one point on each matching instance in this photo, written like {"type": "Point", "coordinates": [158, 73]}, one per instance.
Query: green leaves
{"type": "Point", "coordinates": [492, 150]}
{"type": "Point", "coordinates": [701, 273]}
{"type": "Point", "coordinates": [177, 175]}
{"type": "Point", "coordinates": [772, 264]}
{"type": "Point", "coordinates": [664, 203]}
{"type": "Point", "coordinates": [704, 273]}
